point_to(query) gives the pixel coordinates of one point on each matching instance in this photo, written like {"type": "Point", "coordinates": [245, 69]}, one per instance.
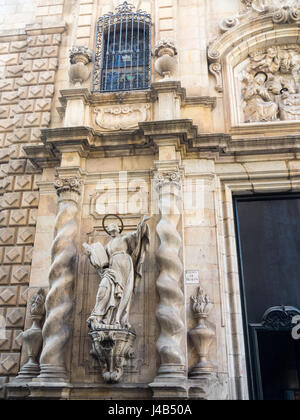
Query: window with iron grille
{"type": "Point", "coordinates": [123, 51]}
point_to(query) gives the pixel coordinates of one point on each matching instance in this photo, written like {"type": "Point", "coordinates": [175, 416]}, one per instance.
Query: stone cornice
{"type": "Point", "coordinates": [89, 143]}
{"type": "Point", "coordinates": [30, 30]}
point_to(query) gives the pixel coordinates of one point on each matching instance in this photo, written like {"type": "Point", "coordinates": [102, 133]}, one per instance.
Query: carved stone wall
{"type": "Point", "coordinates": [28, 63]}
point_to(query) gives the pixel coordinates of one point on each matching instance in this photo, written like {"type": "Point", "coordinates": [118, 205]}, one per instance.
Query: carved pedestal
{"type": "Point", "coordinates": [113, 347]}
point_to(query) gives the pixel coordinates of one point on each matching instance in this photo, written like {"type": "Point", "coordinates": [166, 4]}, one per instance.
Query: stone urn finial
{"type": "Point", "coordinates": [165, 52]}
{"type": "Point", "coordinates": [202, 335]}
{"type": "Point", "coordinates": [33, 338]}
{"type": "Point", "coordinates": [80, 57]}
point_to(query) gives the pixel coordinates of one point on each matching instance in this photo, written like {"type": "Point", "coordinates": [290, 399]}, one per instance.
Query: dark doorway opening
{"type": "Point", "coordinates": [268, 238]}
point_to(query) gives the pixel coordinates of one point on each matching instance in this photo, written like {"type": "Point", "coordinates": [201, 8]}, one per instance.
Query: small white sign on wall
{"type": "Point", "coordinates": [192, 276]}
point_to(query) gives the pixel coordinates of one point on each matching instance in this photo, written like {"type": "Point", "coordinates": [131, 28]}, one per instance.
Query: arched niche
{"type": "Point", "coordinates": [229, 59]}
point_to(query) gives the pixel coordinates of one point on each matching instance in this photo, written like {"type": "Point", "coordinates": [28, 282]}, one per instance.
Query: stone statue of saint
{"type": "Point", "coordinates": [119, 266]}
{"type": "Point", "coordinates": [259, 104]}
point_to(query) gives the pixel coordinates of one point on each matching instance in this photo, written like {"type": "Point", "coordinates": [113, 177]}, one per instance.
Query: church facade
{"type": "Point", "coordinates": [149, 190]}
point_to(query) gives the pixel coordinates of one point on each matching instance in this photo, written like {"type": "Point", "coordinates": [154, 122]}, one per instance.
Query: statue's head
{"type": "Point", "coordinates": [261, 78]}
{"type": "Point", "coordinates": [113, 229]}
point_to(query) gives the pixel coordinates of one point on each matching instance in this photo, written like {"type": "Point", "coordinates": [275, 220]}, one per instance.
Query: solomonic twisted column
{"type": "Point", "coordinates": [170, 309]}
{"type": "Point", "coordinates": [59, 301]}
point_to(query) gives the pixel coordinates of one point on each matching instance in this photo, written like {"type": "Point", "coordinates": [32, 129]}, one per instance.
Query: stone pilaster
{"type": "Point", "coordinates": [59, 302]}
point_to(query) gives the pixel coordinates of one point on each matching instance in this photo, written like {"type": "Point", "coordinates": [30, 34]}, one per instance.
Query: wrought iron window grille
{"type": "Point", "coordinates": [123, 50]}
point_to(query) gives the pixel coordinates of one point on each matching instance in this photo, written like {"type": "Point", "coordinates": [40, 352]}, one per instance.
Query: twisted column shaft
{"type": "Point", "coordinates": [59, 301]}
{"type": "Point", "coordinates": [170, 309]}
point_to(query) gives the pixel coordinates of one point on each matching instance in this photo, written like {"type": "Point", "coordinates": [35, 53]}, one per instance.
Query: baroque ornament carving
{"type": "Point", "coordinates": [80, 57]}
{"type": "Point", "coordinates": [165, 52]}
{"type": "Point", "coordinates": [279, 318]}
{"type": "Point", "coordinates": [271, 85]}
{"type": "Point", "coordinates": [169, 312]}
{"type": "Point", "coordinates": [59, 301]}
{"type": "Point", "coordinates": [202, 335]}
{"type": "Point", "coordinates": [119, 267]}
{"type": "Point", "coordinates": [265, 6]}
{"type": "Point", "coordinates": [122, 117]}
{"type": "Point", "coordinates": [33, 338]}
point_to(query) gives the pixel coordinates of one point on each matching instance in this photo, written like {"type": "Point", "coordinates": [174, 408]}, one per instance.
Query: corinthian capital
{"type": "Point", "coordinates": [162, 179]}
{"type": "Point", "coordinates": [68, 188]}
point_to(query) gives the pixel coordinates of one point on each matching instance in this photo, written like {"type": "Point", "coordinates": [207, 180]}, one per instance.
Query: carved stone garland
{"type": "Point", "coordinates": [59, 302]}
{"type": "Point", "coordinates": [169, 312]}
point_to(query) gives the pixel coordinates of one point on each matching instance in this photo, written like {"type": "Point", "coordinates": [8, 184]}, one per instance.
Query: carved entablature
{"type": "Point", "coordinates": [269, 85]}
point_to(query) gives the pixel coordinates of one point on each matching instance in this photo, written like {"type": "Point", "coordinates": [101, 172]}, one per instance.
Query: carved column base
{"type": "Point", "coordinates": [52, 373]}
{"type": "Point", "coordinates": [200, 370]}
{"type": "Point", "coordinates": [28, 372]}
{"type": "Point", "coordinates": [169, 371]}
{"type": "Point", "coordinates": [170, 383]}
{"type": "Point", "coordinates": [169, 388]}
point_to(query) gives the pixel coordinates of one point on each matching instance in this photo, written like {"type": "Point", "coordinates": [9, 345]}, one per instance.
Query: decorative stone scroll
{"type": "Point", "coordinates": [33, 338]}
{"type": "Point", "coordinates": [280, 318]}
{"type": "Point", "coordinates": [122, 117]}
{"type": "Point", "coordinates": [170, 308]}
{"type": "Point", "coordinates": [59, 301]}
{"type": "Point", "coordinates": [271, 85]}
{"type": "Point", "coordinates": [202, 335]}
{"type": "Point", "coordinates": [119, 266]}
{"type": "Point", "coordinates": [216, 70]}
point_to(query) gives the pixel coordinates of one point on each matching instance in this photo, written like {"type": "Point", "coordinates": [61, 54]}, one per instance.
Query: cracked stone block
{"type": "Point", "coordinates": [26, 235]}
{"type": "Point", "coordinates": [9, 363]}
{"type": "Point", "coordinates": [4, 274]}
{"type": "Point", "coordinates": [17, 166]}
{"type": "Point", "coordinates": [23, 298]}
{"type": "Point", "coordinates": [7, 236]}
{"type": "Point", "coordinates": [33, 217]}
{"type": "Point", "coordinates": [17, 340]}
{"type": "Point", "coordinates": [6, 340]}
{"type": "Point", "coordinates": [33, 53]}
{"type": "Point", "coordinates": [15, 317]}
{"type": "Point", "coordinates": [13, 255]}
{"type": "Point", "coordinates": [23, 182]}
{"type": "Point", "coordinates": [30, 199]}
{"type": "Point", "coordinates": [28, 254]}
{"type": "Point", "coordinates": [4, 215]}
{"type": "Point", "coordinates": [18, 217]}
{"type": "Point", "coordinates": [11, 200]}
{"type": "Point", "coordinates": [47, 77]}
{"type": "Point", "coordinates": [20, 274]}
{"type": "Point", "coordinates": [8, 295]}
